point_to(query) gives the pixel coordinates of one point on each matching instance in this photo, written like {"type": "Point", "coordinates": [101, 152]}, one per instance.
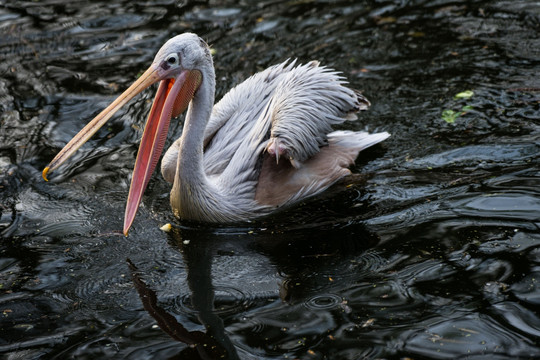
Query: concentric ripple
{"type": "Point", "coordinates": [323, 302]}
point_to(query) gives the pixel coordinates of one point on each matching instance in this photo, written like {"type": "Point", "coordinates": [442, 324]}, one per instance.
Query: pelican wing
{"type": "Point", "coordinates": [305, 105]}
{"type": "Point", "coordinates": [296, 106]}
{"type": "Point", "coordinates": [239, 121]}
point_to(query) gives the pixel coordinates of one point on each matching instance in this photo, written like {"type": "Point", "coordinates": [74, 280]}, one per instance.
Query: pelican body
{"type": "Point", "coordinates": [267, 144]}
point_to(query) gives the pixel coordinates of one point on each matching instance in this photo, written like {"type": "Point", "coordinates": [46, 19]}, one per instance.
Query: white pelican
{"type": "Point", "coordinates": [267, 144]}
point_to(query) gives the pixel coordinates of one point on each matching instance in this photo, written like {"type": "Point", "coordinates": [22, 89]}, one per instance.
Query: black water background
{"type": "Point", "coordinates": [435, 255]}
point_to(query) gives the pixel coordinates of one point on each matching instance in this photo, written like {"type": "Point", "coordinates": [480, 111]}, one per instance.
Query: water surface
{"type": "Point", "coordinates": [435, 253]}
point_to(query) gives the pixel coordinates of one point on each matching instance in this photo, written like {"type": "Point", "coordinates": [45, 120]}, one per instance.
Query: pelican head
{"type": "Point", "coordinates": [178, 66]}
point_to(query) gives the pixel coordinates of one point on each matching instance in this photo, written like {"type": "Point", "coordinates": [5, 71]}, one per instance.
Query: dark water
{"type": "Point", "coordinates": [436, 254]}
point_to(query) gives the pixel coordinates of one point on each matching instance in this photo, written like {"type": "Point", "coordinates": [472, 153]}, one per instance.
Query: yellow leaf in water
{"type": "Point", "coordinates": [464, 94]}
{"type": "Point", "coordinates": [166, 227]}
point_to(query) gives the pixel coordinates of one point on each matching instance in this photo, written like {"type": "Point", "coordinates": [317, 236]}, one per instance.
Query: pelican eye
{"type": "Point", "coordinates": [172, 59]}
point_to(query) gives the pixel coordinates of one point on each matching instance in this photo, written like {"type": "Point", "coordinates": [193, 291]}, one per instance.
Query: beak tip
{"type": "Point", "coordinates": [44, 173]}
{"type": "Point", "coordinates": [127, 226]}
{"type": "Point", "coordinates": [126, 230]}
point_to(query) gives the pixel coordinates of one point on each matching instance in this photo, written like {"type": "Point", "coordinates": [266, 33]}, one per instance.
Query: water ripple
{"type": "Point", "coordinates": [323, 302]}
{"type": "Point", "coordinates": [470, 334]}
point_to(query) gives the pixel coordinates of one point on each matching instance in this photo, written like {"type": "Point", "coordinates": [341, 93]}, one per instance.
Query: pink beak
{"type": "Point", "coordinates": [172, 98]}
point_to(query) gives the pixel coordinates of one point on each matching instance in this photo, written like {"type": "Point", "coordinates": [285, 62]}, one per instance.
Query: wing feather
{"type": "Point", "coordinates": [305, 106]}
{"type": "Point", "coordinates": [237, 115]}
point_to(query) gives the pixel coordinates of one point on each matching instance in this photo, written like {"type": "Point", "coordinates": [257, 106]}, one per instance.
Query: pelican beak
{"type": "Point", "coordinates": [172, 98]}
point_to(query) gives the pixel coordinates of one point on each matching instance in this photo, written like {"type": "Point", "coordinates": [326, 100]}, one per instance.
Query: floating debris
{"type": "Point", "coordinates": [464, 95]}
{"type": "Point", "coordinates": [167, 227]}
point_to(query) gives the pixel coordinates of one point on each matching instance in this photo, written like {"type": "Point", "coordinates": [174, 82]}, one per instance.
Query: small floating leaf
{"type": "Point", "coordinates": [166, 227]}
{"type": "Point", "coordinates": [467, 108]}
{"type": "Point", "coordinates": [416, 34]}
{"type": "Point", "coordinates": [385, 20]}
{"type": "Point", "coordinates": [368, 322]}
{"type": "Point", "coordinates": [464, 94]}
{"type": "Point", "coordinates": [449, 116]}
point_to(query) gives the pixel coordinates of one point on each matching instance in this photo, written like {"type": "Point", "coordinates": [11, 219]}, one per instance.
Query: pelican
{"type": "Point", "coordinates": [267, 144]}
